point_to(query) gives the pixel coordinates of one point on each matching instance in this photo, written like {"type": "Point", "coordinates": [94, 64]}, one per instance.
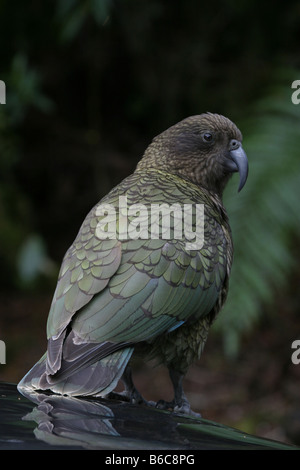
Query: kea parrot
{"type": "Point", "coordinates": [120, 296]}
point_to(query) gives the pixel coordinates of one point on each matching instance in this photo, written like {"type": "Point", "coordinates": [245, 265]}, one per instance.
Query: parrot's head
{"type": "Point", "coordinates": [205, 149]}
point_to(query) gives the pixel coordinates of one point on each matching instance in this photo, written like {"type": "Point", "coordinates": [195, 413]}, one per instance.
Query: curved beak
{"type": "Point", "coordinates": [238, 161]}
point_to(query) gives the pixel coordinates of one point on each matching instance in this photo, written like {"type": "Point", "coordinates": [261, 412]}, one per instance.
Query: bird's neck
{"type": "Point", "coordinates": [194, 172]}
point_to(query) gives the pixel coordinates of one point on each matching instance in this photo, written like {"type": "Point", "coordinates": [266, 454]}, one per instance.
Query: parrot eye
{"type": "Point", "coordinates": [207, 137]}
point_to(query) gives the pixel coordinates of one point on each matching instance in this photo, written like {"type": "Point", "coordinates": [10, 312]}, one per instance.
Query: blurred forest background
{"type": "Point", "coordinates": [89, 83]}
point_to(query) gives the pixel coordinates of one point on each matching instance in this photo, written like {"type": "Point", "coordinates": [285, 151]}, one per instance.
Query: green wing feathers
{"type": "Point", "coordinates": [123, 292]}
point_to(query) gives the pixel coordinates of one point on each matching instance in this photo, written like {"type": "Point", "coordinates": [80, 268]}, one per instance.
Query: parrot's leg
{"type": "Point", "coordinates": [130, 390]}
{"type": "Point", "coordinates": [180, 404]}
{"type": "Point", "coordinates": [130, 393]}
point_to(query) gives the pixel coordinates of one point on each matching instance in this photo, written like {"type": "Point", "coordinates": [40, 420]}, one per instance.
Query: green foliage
{"type": "Point", "coordinates": [24, 90]}
{"type": "Point", "coordinates": [23, 93]}
{"type": "Point", "coordinates": [72, 14]}
{"type": "Point", "coordinates": [265, 216]}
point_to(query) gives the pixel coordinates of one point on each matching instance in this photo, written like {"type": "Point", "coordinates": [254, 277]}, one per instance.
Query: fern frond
{"type": "Point", "coordinates": [265, 216]}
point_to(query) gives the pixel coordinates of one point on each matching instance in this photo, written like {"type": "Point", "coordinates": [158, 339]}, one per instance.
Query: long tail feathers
{"type": "Point", "coordinates": [95, 377]}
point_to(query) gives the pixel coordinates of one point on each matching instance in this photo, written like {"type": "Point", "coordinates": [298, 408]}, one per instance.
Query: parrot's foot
{"type": "Point", "coordinates": [133, 397]}
{"type": "Point", "coordinates": [165, 405]}
{"type": "Point", "coordinates": [183, 407]}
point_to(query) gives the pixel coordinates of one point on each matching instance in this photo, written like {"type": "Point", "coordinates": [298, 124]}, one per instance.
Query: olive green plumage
{"type": "Point", "coordinates": [120, 297]}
